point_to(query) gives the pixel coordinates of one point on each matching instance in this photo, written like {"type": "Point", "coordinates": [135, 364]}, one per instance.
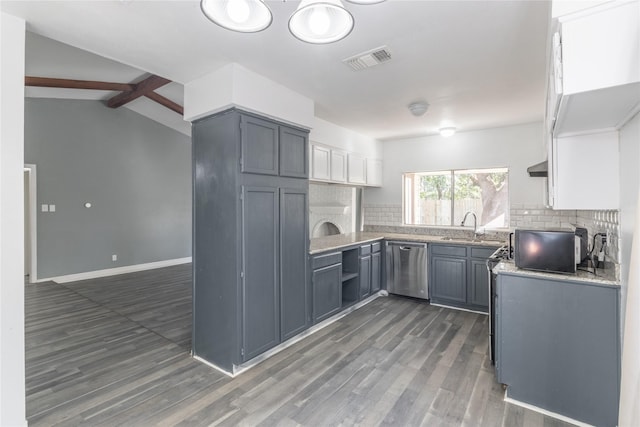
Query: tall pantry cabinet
{"type": "Point", "coordinates": [250, 236]}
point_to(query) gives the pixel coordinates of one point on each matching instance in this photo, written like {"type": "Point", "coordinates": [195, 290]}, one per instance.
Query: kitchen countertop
{"type": "Point", "coordinates": [328, 243]}
{"type": "Point", "coordinates": [602, 276]}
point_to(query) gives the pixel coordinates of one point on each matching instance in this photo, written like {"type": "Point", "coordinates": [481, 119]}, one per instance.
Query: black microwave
{"type": "Point", "coordinates": [557, 251]}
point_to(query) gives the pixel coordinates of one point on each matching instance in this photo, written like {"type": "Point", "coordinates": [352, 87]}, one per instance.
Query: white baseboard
{"type": "Point", "coordinates": [115, 271]}
{"type": "Point", "coordinates": [544, 411]}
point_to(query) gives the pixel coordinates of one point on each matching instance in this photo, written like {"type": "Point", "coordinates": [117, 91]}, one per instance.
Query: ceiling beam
{"type": "Point", "coordinates": [166, 102]}
{"type": "Point", "coordinates": [76, 84]}
{"type": "Point", "coordinates": [141, 89]}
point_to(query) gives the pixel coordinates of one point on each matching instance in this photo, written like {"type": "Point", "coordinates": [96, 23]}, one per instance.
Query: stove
{"type": "Point", "coordinates": [500, 254]}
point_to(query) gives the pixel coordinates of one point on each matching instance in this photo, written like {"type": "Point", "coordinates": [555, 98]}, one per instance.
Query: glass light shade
{"type": "Point", "coordinates": [447, 132]}
{"type": "Point", "coordinates": [319, 22]}
{"type": "Point", "coordinates": [245, 16]}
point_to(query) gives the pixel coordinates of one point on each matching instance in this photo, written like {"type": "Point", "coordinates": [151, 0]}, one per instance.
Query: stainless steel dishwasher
{"type": "Point", "coordinates": [406, 264]}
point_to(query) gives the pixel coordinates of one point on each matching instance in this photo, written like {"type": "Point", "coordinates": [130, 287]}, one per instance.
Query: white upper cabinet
{"type": "Point", "coordinates": [374, 172]}
{"type": "Point", "coordinates": [333, 165]}
{"type": "Point", "coordinates": [594, 68]}
{"type": "Point", "coordinates": [584, 172]}
{"type": "Point", "coordinates": [356, 169]}
{"type": "Point", "coordinates": [338, 166]}
{"type": "Point", "coordinates": [320, 163]}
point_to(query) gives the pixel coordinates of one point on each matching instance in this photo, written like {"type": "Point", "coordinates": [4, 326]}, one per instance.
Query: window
{"type": "Point", "coordinates": [442, 198]}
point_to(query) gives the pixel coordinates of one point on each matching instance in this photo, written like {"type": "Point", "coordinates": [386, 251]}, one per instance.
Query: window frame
{"type": "Point", "coordinates": [410, 213]}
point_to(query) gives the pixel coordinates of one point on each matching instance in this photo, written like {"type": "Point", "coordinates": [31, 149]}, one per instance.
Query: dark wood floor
{"type": "Point", "coordinates": [115, 351]}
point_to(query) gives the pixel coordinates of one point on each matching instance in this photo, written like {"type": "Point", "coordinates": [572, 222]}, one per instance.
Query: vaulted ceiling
{"type": "Point", "coordinates": [478, 64]}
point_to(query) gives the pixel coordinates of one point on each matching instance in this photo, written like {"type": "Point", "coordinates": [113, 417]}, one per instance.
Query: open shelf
{"type": "Point", "coordinates": [350, 291]}
{"type": "Point", "coordinates": [348, 275]}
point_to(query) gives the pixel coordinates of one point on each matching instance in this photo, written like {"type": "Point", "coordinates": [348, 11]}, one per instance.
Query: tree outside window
{"type": "Point", "coordinates": [443, 197]}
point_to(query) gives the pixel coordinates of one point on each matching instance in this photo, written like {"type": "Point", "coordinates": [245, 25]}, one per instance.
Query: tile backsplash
{"type": "Point", "coordinates": [378, 217]}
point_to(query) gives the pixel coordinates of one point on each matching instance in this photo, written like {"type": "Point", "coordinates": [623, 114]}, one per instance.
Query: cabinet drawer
{"type": "Point", "coordinates": [459, 251]}
{"type": "Point", "coordinates": [376, 247]}
{"type": "Point", "coordinates": [320, 261]}
{"type": "Point", "coordinates": [365, 250]}
{"type": "Point", "coordinates": [482, 252]}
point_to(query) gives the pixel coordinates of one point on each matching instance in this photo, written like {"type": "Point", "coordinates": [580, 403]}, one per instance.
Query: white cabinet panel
{"type": "Point", "coordinates": [357, 169]}
{"type": "Point", "coordinates": [320, 163]}
{"type": "Point", "coordinates": [601, 49]}
{"type": "Point", "coordinates": [594, 69]}
{"type": "Point", "coordinates": [338, 166]}
{"type": "Point", "coordinates": [374, 172]}
{"type": "Point", "coordinates": [585, 172]}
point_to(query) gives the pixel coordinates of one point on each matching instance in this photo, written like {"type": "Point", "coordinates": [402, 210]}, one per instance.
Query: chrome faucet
{"type": "Point", "coordinates": [475, 223]}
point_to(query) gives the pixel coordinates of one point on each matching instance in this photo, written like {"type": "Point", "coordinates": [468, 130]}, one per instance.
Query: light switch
{"type": "Point", "coordinates": [52, 208]}
{"type": "Point", "coordinates": [45, 208]}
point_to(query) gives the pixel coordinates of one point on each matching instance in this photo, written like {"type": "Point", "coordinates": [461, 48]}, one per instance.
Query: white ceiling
{"type": "Point", "coordinates": [479, 64]}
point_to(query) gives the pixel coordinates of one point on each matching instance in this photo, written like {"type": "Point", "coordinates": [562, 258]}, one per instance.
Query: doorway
{"type": "Point", "coordinates": [30, 226]}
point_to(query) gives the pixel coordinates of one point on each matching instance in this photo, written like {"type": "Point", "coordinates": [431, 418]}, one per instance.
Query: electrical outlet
{"type": "Point", "coordinates": [114, 257]}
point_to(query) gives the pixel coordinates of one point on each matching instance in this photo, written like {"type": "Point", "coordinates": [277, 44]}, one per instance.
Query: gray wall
{"type": "Point", "coordinates": [135, 172]}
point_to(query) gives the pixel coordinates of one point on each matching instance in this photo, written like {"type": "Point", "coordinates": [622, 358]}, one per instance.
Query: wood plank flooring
{"type": "Point", "coordinates": [115, 351]}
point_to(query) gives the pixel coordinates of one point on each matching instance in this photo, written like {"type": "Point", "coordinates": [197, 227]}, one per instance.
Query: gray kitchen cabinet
{"type": "Point", "coordinates": [293, 153]}
{"type": "Point", "coordinates": [370, 269]}
{"type": "Point", "coordinates": [449, 280]}
{"type": "Point", "coordinates": [260, 323]}
{"type": "Point", "coordinates": [479, 286]}
{"type": "Point", "coordinates": [259, 140]}
{"type": "Point", "coordinates": [326, 282]}
{"type": "Point", "coordinates": [558, 347]}
{"type": "Point", "coordinates": [250, 237]}
{"type": "Point", "coordinates": [376, 271]}
{"type": "Point", "coordinates": [272, 149]}
{"type": "Point", "coordinates": [365, 276]}
{"type": "Point", "coordinates": [458, 276]}
{"type": "Point", "coordinates": [295, 314]}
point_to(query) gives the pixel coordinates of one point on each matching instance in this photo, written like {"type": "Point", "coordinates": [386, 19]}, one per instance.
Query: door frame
{"type": "Point", "coordinates": [33, 216]}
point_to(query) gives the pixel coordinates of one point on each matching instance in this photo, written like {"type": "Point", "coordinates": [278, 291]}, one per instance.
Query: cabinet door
{"type": "Point", "coordinates": [376, 271]}
{"type": "Point", "coordinates": [294, 246]}
{"type": "Point", "coordinates": [338, 166]}
{"type": "Point", "coordinates": [320, 159]}
{"type": "Point", "coordinates": [293, 153]}
{"type": "Point", "coordinates": [559, 346]}
{"type": "Point", "coordinates": [357, 170]}
{"type": "Point", "coordinates": [259, 146]}
{"type": "Point", "coordinates": [479, 284]}
{"type": "Point", "coordinates": [374, 172]}
{"type": "Point", "coordinates": [365, 276]}
{"type": "Point", "coordinates": [576, 183]}
{"type": "Point", "coordinates": [260, 302]}
{"type": "Point", "coordinates": [449, 279]}
{"type": "Point", "coordinates": [327, 292]}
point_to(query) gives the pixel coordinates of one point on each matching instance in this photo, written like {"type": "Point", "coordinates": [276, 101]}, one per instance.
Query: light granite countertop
{"type": "Point", "coordinates": [602, 276]}
{"type": "Point", "coordinates": [328, 243]}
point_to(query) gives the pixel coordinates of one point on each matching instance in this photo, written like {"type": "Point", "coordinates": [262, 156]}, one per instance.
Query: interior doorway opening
{"type": "Point", "coordinates": [30, 226]}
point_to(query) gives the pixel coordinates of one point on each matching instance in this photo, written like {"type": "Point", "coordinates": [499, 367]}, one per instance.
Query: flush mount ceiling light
{"type": "Point", "coordinates": [447, 132]}
{"type": "Point", "coordinates": [418, 108]}
{"type": "Point", "coordinates": [245, 16]}
{"type": "Point", "coordinates": [320, 22]}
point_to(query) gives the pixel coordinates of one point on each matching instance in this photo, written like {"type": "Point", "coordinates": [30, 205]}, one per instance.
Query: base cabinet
{"type": "Point", "coordinates": [449, 278]}
{"type": "Point", "coordinates": [459, 277]}
{"type": "Point", "coordinates": [376, 271]}
{"type": "Point", "coordinates": [557, 346]}
{"type": "Point", "coordinates": [343, 278]}
{"type": "Point", "coordinates": [327, 295]}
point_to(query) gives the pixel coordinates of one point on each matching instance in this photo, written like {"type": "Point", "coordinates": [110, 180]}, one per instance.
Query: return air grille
{"type": "Point", "coordinates": [369, 59]}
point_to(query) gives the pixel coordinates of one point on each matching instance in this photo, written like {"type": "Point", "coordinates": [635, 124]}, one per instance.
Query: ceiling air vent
{"type": "Point", "coordinates": [369, 59]}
